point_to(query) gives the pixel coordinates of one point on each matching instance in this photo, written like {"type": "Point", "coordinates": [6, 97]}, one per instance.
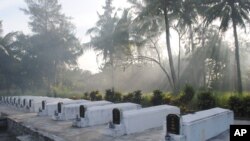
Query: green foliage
{"type": "Point", "coordinates": [157, 98]}
{"type": "Point", "coordinates": [235, 104]}
{"type": "Point", "coordinates": [205, 100]}
{"type": "Point", "coordinates": [168, 99]}
{"type": "Point", "coordinates": [86, 96]}
{"type": "Point", "coordinates": [135, 97]}
{"type": "Point", "coordinates": [187, 94]}
{"type": "Point", "coordinates": [146, 101]}
{"type": "Point", "coordinates": [95, 95]}
{"type": "Point", "coordinates": [128, 98]}
{"type": "Point", "coordinates": [240, 105]}
{"type": "Point", "coordinates": [113, 96]}
{"type": "Point", "coordinates": [246, 105]}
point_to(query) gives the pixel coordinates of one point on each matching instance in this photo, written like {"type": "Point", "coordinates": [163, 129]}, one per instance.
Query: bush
{"type": "Point", "coordinates": [117, 97]}
{"type": "Point", "coordinates": [86, 96]}
{"type": "Point", "coordinates": [235, 104]}
{"type": "Point", "coordinates": [246, 106]}
{"type": "Point", "coordinates": [128, 98]}
{"type": "Point", "coordinates": [146, 101]}
{"type": "Point", "coordinates": [137, 97]}
{"type": "Point", "coordinates": [95, 95]}
{"type": "Point", "coordinates": [157, 98]}
{"type": "Point", "coordinates": [205, 100]}
{"type": "Point", "coordinates": [109, 95]}
{"type": "Point", "coordinates": [113, 96]}
{"type": "Point", "coordinates": [187, 95]}
{"type": "Point", "coordinates": [168, 99]}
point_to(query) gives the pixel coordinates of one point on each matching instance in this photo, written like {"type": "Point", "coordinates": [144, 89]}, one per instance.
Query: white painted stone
{"type": "Point", "coordinates": [71, 110]}
{"type": "Point", "coordinates": [134, 121]}
{"type": "Point", "coordinates": [102, 114]}
{"type": "Point", "coordinates": [204, 125]}
{"type": "Point", "coordinates": [51, 106]}
{"type": "Point", "coordinates": [36, 103]}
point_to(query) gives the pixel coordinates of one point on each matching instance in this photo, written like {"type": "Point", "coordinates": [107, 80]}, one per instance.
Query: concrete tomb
{"type": "Point", "coordinates": [199, 126]}
{"type": "Point", "coordinates": [58, 112]}
{"type": "Point", "coordinates": [97, 115]}
{"type": "Point", "coordinates": [134, 121]}
{"type": "Point", "coordinates": [50, 106]}
{"type": "Point", "coordinates": [35, 104]}
{"type": "Point", "coordinates": [74, 110]}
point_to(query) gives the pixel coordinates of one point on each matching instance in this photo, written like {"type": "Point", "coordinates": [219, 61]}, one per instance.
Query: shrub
{"type": "Point", "coordinates": [93, 95]}
{"type": "Point", "coordinates": [137, 97]}
{"type": "Point", "coordinates": [246, 106]}
{"type": "Point", "coordinates": [146, 101]}
{"type": "Point", "coordinates": [187, 95]}
{"type": "Point", "coordinates": [128, 98]}
{"type": "Point", "coordinates": [157, 98]}
{"type": "Point", "coordinates": [205, 100]}
{"type": "Point", "coordinates": [117, 97]}
{"type": "Point", "coordinates": [109, 95]}
{"type": "Point", "coordinates": [86, 96]}
{"type": "Point", "coordinates": [168, 99]}
{"type": "Point", "coordinates": [113, 96]}
{"type": "Point", "coordinates": [235, 104]}
{"type": "Point", "coordinates": [98, 97]}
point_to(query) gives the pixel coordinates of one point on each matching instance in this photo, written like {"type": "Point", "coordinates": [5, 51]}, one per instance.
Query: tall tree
{"type": "Point", "coordinates": [9, 59]}
{"type": "Point", "coordinates": [235, 11]}
{"type": "Point", "coordinates": [110, 35]}
{"type": "Point", "coordinates": [159, 11]}
{"type": "Point", "coordinates": [54, 43]}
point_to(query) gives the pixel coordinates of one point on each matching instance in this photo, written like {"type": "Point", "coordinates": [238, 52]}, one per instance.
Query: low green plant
{"type": "Point", "coordinates": [205, 100]}
{"type": "Point", "coordinates": [157, 98]}
{"type": "Point", "coordinates": [146, 100]}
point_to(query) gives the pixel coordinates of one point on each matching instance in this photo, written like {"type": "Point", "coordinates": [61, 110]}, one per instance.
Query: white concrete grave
{"type": "Point", "coordinates": [60, 107]}
{"type": "Point", "coordinates": [102, 114]}
{"type": "Point", "coordinates": [51, 106]}
{"type": "Point", "coordinates": [35, 104]}
{"type": "Point", "coordinates": [134, 121]}
{"type": "Point", "coordinates": [71, 111]}
{"type": "Point", "coordinates": [202, 125]}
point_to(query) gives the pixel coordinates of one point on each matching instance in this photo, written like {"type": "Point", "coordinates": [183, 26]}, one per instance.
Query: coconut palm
{"type": "Point", "coordinates": [235, 11]}
{"type": "Point", "coordinates": [154, 15]}
{"type": "Point", "coordinates": [111, 36]}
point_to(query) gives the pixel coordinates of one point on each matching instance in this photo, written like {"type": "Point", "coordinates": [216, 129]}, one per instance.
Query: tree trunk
{"type": "Point", "coordinates": [113, 77]}
{"type": "Point", "coordinates": [169, 49]}
{"type": "Point", "coordinates": [237, 57]}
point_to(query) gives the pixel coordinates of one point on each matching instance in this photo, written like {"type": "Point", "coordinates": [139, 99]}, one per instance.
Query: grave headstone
{"type": "Point", "coordinates": [173, 124]}
{"type": "Point", "coordinates": [82, 111]}
{"type": "Point", "coordinates": [59, 107]}
{"type": "Point", "coordinates": [116, 116]}
{"type": "Point", "coordinates": [43, 104]}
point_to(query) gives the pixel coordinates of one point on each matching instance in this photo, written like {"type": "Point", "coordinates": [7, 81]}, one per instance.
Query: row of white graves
{"type": "Point", "coordinates": [199, 126]}
{"type": "Point", "coordinates": [97, 115]}
{"type": "Point", "coordinates": [60, 107]}
{"type": "Point", "coordinates": [71, 111]}
{"type": "Point", "coordinates": [133, 121]}
{"type": "Point", "coordinates": [129, 118]}
{"type": "Point", "coordinates": [49, 107]}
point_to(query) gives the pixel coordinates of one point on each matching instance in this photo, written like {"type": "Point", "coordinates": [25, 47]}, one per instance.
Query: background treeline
{"type": "Point", "coordinates": [188, 99]}
{"type": "Point", "coordinates": [149, 45]}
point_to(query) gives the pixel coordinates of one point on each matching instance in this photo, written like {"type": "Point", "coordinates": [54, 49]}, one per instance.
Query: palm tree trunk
{"type": "Point", "coordinates": [237, 57]}
{"type": "Point", "coordinates": [169, 49]}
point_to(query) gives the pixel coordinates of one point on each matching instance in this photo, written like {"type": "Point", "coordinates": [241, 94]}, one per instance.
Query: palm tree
{"type": "Point", "coordinates": [235, 11]}
{"type": "Point", "coordinates": [155, 15]}
{"type": "Point", "coordinates": [111, 36]}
